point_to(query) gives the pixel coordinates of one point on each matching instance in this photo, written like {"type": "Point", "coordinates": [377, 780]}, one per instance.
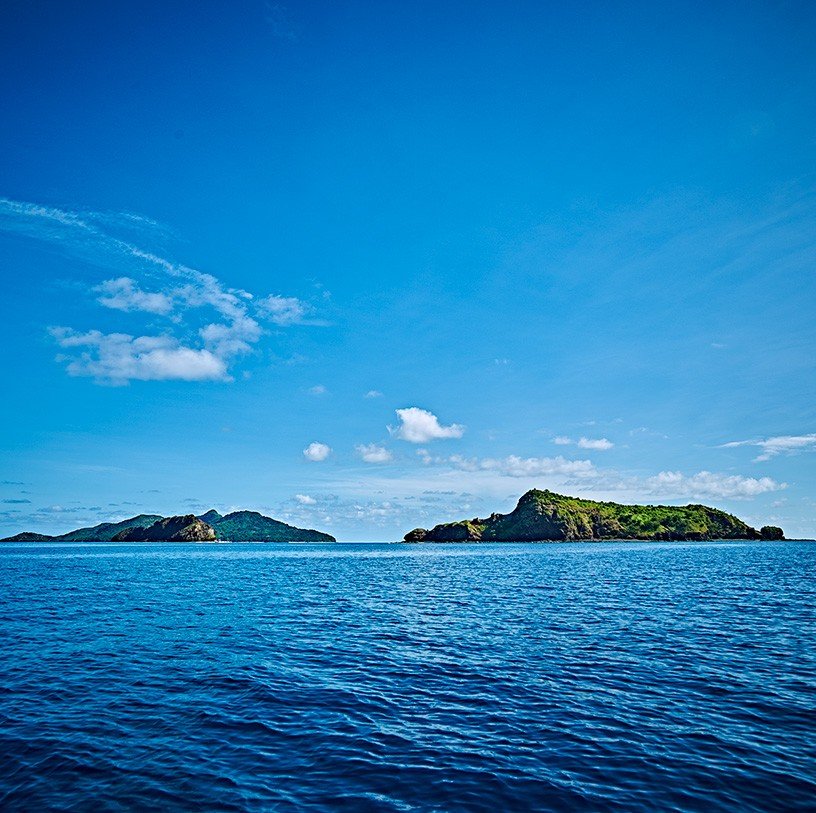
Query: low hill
{"type": "Point", "coordinates": [250, 526]}
{"type": "Point", "coordinates": [27, 536]}
{"type": "Point", "coordinates": [544, 516]}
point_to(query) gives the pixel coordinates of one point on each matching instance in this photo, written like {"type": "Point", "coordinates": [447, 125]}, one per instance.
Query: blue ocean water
{"type": "Point", "coordinates": [606, 676]}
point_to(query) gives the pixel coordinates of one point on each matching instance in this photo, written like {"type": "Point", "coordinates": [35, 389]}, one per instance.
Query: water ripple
{"type": "Point", "coordinates": [605, 677]}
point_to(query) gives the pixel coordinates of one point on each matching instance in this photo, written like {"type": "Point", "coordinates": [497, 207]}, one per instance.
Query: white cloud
{"type": "Point", "coordinates": [124, 294]}
{"type": "Point", "coordinates": [305, 499]}
{"type": "Point", "coordinates": [283, 310]}
{"type": "Point", "coordinates": [226, 340]}
{"type": "Point", "coordinates": [316, 452]}
{"type": "Point", "coordinates": [596, 444]}
{"type": "Point", "coordinates": [781, 444]}
{"type": "Point", "coordinates": [515, 466]}
{"type": "Point", "coordinates": [372, 453]}
{"type": "Point", "coordinates": [420, 426]}
{"type": "Point", "coordinates": [708, 484]}
{"type": "Point", "coordinates": [318, 389]}
{"type": "Point", "coordinates": [117, 358]}
{"type": "Point", "coordinates": [373, 394]}
{"type": "Point", "coordinates": [560, 472]}
{"type": "Point", "coordinates": [203, 290]}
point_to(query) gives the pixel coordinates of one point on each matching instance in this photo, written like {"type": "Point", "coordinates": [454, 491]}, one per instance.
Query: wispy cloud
{"type": "Point", "coordinates": [781, 444]}
{"type": "Point", "coordinates": [515, 466]}
{"type": "Point", "coordinates": [708, 484]}
{"type": "Point", "coordinates": [372, 453]}
{"type": "Point", "coordinates": [421, 426]}
{"type": "Point", "coordinates": [183, 350]}
{"type": "Point", "coordinates": [584, 476]}
{"type": "Point", "coordinates": [230, 339]}
{"type": "Point", "coordinates": [284, 310]}
{"type": "Point", "coordinates": [399, 511]}
{"type": "Point", "coordinates": [596, 444]}
{"type": "Point", "coordinates": [125, 295]}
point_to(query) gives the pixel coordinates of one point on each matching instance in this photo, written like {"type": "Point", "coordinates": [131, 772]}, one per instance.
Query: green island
{"type": "Point", "coordinates": [241, 526]}
{"type": "Point", "coordinates": [544, 516]}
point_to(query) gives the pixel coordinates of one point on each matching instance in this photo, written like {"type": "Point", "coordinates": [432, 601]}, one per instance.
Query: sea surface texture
{"type": "Point", "coordinates": [569, 677]}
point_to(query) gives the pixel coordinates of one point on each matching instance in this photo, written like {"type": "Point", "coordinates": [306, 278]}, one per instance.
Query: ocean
{"type": "Point", "coordinates": [503, 677]}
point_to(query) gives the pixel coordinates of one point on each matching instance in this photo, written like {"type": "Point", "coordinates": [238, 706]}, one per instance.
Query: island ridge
{"type": "Point", "coordinates": [544, 516]}
{"type": "Point", "coordinates": [241, 526]}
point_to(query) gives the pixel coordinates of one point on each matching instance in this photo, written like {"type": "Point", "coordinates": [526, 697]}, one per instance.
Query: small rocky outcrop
{"type": "Point", "coordinates": [417, 535]}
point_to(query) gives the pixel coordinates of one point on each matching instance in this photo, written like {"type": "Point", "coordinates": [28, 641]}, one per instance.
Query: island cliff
{"type": "Point", "coordinates": [544, 516]}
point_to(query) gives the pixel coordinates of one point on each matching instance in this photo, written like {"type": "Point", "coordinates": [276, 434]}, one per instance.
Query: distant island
{"type": "Point", "coordinates": [241, 526]}
{"type": "Point", "coordinates": [543, 516]}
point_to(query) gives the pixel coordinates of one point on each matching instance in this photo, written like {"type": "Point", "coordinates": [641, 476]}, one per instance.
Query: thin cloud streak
{"type": "Point", "coordinates": [595, 444]}
{"type": "Point", "coordinates": [781, 444]}
{"type": "Point", "coordinates": [117, 357]}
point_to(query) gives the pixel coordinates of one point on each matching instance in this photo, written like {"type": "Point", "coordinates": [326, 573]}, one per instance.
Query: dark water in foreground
{"type": "Point", "coordinates": [373, 677]}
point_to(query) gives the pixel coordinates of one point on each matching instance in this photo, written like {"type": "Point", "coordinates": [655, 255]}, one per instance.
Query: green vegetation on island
{"type": "Point", "coordinates": [239, 526]}
{"type": "Point", "coordinates": [211, 516]}
{"type": "Point", "coordinates": [543, 516]}
{"type": "Point", "coordinates": [27, 536]}
{"type": "Point", "coordinates": [107, 530]}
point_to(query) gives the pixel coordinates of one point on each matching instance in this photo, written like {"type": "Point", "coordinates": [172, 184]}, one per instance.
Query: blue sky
{"type": "Point", "coordinates": [370, 266]}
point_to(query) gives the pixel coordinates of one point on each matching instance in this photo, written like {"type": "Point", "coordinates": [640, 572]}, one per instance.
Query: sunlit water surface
{"type": "Point", "coordinates": [405, 677]}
